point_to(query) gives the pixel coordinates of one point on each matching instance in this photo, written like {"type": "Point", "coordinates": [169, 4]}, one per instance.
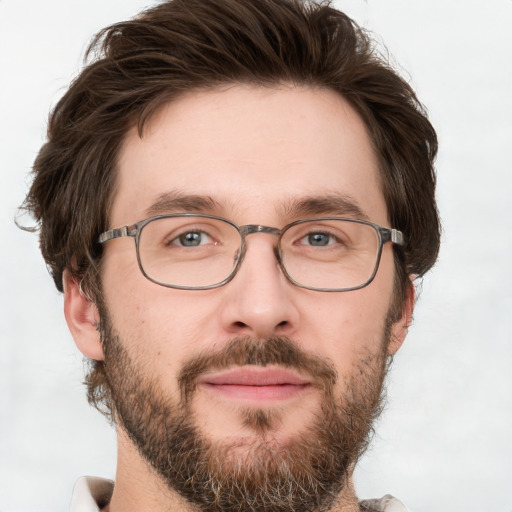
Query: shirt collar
{"type": "Point", "coordinates": [90, 494]}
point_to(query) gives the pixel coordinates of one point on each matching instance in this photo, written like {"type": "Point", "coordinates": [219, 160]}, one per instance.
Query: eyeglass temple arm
{"type": "Point", "coordinates": [117, 233]}
{"type": "Point", "coordinates": [392, 235]}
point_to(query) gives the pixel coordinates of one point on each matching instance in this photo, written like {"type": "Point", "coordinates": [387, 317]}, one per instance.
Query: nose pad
{"type": "Point", "coordinates": [259, 299]}
{"type": "Point", "coordinates": [239, 258]}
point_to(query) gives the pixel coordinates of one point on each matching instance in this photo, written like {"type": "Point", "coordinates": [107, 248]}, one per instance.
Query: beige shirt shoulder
{"type": "Point", "coordinates": [92, 493]}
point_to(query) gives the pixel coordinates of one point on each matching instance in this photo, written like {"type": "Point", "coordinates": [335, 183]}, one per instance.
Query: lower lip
{"type": "Point", "coordinates": [270, 393]}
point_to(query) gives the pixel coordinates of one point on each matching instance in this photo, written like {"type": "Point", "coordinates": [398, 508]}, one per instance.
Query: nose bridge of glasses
{"type": "Point", "coordinates": [250, 229]}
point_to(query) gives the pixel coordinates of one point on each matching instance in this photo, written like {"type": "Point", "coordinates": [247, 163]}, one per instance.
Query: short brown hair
{"type": "Point", "coordinates": [182, 45]}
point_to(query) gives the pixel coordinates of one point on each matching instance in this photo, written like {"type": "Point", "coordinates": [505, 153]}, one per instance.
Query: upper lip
{"type": "Point", "coordinates": [255, 376]}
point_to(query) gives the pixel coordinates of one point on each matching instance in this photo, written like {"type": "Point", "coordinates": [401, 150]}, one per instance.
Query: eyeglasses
{"type": "Point", "coordinates": [199, 252]}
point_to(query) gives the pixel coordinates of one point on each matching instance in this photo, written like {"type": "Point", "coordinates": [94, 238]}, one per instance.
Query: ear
{"type": "Point", "coordinates": [400, 328]}
{"type": "Point", "coordinates": [82, 318]}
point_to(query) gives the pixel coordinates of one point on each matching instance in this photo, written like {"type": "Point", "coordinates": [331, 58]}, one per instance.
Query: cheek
{"type": "Point", "coordinates": [349, 325]}
{"type": "Point", "coordinates": [161, 328]}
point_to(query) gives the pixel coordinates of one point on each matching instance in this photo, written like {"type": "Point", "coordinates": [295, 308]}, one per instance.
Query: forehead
{"type": "Point", "coordinates": [251, 153]}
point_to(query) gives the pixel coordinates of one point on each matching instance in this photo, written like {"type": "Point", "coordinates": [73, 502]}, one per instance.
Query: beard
{"type": "Point", "coordinates": [261, 474]}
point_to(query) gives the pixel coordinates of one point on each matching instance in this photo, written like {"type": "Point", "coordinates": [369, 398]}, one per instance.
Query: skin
{"type": "Point", "coordinates": [253, 150]}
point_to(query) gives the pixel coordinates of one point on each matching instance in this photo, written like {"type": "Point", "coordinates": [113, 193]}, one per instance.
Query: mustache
{"type": "Point", "coordinates": [242, 351]}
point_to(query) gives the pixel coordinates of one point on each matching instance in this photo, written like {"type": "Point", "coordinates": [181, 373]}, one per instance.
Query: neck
{"type": "Point", "coordinates": [139, 487]}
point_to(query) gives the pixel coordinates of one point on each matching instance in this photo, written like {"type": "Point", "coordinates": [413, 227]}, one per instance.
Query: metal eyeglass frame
{"type": "Point", "coordinates": [384, 235]}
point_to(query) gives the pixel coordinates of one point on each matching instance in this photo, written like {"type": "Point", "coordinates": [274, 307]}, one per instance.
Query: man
{"type": "Point", "coordinates": [235, 198]}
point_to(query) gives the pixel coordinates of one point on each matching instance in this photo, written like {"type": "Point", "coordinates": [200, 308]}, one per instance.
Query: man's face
{"type": "Point", "coordinates": [254, 154]}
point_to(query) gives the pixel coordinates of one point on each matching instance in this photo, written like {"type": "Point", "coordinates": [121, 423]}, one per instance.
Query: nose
{"type": "Point", "coordinates": [259, 301]}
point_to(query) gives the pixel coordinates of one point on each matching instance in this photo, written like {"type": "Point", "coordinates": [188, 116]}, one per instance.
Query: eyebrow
{"type": "Point", "coordinates": [175, 201]}
{"type": "Point", "coordinates": [335, 204]}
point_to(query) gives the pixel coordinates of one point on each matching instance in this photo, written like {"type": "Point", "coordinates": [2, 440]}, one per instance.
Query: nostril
{"type": "Point", "coordinates": [284, 323]}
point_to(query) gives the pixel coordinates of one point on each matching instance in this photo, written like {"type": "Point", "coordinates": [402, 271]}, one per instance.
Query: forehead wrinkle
{"type": "Point", "coordinates": [336, 204]}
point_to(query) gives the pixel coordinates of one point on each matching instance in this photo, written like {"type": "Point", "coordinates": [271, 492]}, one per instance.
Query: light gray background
{"type": "Point", "coordinates": [445, 441]}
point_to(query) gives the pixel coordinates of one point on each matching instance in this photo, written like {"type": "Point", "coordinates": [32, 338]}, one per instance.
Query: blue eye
{"type": "Point", "coordinates": [319, 239]}
{"type": "Point", "coordinates": [192, 239]}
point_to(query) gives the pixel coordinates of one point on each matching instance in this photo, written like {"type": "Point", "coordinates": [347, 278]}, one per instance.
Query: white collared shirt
{"type": "Point", "coordinates": [91, 493]}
